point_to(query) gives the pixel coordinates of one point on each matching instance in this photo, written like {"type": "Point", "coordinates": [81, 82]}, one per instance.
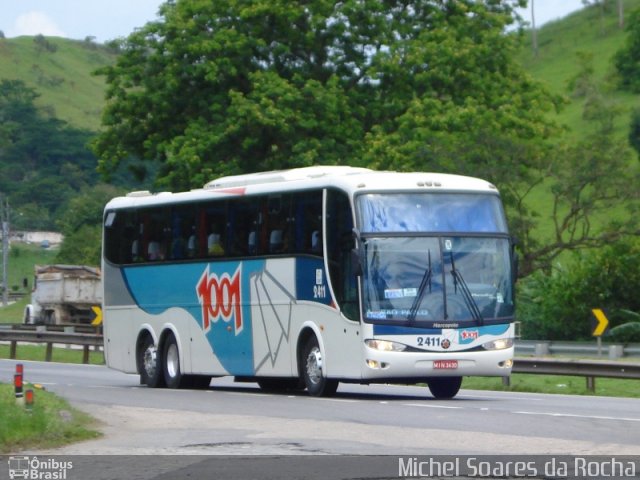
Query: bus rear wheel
{"type": "Point", "coordinates": [444, 387]}
{"type": "Point", "coordinates": [313, 371]}
{"type": "Point", "coordinates": [173, 376]}
{"type": "Point", "coordinates": [149, 364]}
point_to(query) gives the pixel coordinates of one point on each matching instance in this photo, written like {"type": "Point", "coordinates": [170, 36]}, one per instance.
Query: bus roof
{"type": "Point", "coordinates": [350, 179]}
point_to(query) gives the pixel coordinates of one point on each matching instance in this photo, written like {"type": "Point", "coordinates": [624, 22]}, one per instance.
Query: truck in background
{"type": "Point", "coordinates": [64, 294]}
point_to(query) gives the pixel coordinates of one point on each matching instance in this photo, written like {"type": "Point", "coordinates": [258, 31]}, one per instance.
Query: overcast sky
{"type": "Point", "coordinates": [109, 19]}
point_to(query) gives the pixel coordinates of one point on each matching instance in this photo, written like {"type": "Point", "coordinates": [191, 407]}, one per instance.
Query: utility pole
{"type": "Point", "coordinates": [534, 33]}
{"type": "Point", "coordinates": [620, 14]}
{"type": "Point", "coordinates": [4, 208]}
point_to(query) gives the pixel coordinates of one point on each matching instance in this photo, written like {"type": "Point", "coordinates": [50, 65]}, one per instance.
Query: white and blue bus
{"type": "Point", "coordinates": [309, 277]}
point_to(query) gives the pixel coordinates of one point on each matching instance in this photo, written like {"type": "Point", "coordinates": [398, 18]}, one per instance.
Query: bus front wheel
{"type": "Point", "coordinates": [444, 387]}
{"type": "Point", "coordinates": [149, 364]}
{"type": "Point", "coordinates": [313, 371]}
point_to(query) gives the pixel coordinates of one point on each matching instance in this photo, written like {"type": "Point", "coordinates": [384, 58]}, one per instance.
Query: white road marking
{"type": "Point", "coordinates": [572, 415]}
{"type": "Point", "coordinates": [431, 406]}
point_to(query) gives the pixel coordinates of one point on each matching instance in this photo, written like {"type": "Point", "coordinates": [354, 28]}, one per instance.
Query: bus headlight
{"type": "Point", "coordinates": [499, 344]}
{"type": "Point", "coordinates": [385, 345]}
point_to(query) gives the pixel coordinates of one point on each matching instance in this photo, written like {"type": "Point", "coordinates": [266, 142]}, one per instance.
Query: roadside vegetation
{"type": "Point", "coordinates": [37, 353]}
{"type": "Point", "coordinates": [51, 423]}
{"type": "Point", "coordinates": [556, 384]}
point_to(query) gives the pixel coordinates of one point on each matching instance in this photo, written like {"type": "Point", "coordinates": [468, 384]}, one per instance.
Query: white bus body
{"type": "Point", "coordinates": [310, 277]}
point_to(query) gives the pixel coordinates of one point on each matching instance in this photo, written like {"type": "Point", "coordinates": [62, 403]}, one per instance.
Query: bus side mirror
{"type": "Point", "coordinates": [356, 263]}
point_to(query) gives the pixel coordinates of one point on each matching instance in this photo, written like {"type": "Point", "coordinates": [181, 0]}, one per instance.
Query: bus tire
{"type": "Point", "coordinates": [444, 387]}
{"type": "Point", "coordinates": [173, 376]}
{"type": "Point", "coordinates": [312, 371]}
{"type": "Point", "coordinates": [150, 364]}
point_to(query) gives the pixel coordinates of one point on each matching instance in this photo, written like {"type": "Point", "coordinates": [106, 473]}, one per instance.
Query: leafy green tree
{"type": "Point", "coordinates": [81, 224]}
{"type": "Point", "coordinates": [593, 184]}
{"type": "Point", "coordinates": [627, 59]}
{"type": "Point", "coordinates": [215, 88]}
{"type": "Point", "coordinates": [219, 88]}
{"type": "Point", "coordinates": [594, 191]}
{"type": "Point", "coordinates": [557, 306]}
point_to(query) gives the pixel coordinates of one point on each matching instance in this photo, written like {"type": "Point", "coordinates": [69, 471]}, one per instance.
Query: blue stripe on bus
{"type": "Point", "coordinates": [157, 288]}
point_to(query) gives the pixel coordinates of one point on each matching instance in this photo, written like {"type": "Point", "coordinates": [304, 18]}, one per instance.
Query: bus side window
{"type": "Point", "coordinates": [279, 224]}
{"type": "Point", "coordinates": [243, 227]}
{"type": "Point", "coordinates": [306, 223]}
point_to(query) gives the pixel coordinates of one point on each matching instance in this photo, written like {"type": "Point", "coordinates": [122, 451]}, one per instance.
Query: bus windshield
{"type": "Point", "coordinates": [435, 259]}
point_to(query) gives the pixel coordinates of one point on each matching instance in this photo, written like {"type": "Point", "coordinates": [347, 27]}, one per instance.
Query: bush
{"type": "Point", "coordinates": [558, 306]}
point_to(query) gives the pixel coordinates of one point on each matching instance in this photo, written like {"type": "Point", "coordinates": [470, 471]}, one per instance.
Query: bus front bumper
{"type": "Point", "coordinates": [419, 365]}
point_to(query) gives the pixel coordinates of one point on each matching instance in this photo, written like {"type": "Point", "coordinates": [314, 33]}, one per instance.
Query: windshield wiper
{"type": "Point", "coordinates": [466, 293]}
{"type": "Point", "coordinates": [426, 280]}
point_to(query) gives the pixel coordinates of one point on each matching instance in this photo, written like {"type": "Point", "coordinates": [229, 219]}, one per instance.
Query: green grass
{"type": "Point", "coordinates": [14, 312]}
{"type": "Point", "coordinates": [22, 259]}
{"type": "Point", "coordinates": [51, 423]}
{"type": "Point", "coordinates": [521, 382]}
{"type": "Point", "coordinates": [62, 355]}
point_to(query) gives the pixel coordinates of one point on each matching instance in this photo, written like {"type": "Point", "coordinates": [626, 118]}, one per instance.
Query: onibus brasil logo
{"type": "Point", "coordinates": [219, 298]}
{"type": "Point", "coordinates": [33, 468]}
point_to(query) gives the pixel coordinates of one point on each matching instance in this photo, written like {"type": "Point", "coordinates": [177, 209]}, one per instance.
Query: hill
{"type": "Point", "coordinates": [60, 70]}
{"type": "Point", "coordinates": [595, 31]}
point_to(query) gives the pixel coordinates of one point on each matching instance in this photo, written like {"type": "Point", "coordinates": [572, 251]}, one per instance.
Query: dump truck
{"type": "Point", "coordinates": [64, 294]}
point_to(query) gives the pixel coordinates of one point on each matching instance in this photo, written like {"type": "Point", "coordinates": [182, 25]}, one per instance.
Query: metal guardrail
{"type": "Point", "coordinates": [545, 347]}
{"type": "Point", "coordinates": [62, 327]}
{"type": "Point", "coordinates": [86, 340]}
{"type": "Point", "coordinates": [590, 369]}
{"type": "Point", "coordinates": [579, 368]}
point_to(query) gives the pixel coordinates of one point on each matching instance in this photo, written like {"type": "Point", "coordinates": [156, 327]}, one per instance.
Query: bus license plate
{"type": "Point", "coordinates": [445, 364]}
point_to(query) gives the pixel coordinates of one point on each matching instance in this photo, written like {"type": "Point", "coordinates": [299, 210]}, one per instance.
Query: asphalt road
{"type": "Point", "coordinates": [160, 433]}
{"type": "Point", "coordinates": [236, 418]}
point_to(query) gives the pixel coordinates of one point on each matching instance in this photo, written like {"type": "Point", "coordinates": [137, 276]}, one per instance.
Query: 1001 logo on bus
{"type": "Point", "coordinates": [220, 298]}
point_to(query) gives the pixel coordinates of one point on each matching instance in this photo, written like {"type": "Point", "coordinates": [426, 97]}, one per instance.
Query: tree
{"type": "Point", "coordinates": [627, 59]}
{"type": "Point", "coordinates": [593, 184]}
{"type": "Point", "coordinates": [229, 87]}
{"type": "Point", "coordinates": [43, 160]}
{"type": "Point", "coordinates": [81, 224]}
{"type": "Point", "coordinates": [215, 88]}
{"type": "Point", "coordinates": [557, 306]}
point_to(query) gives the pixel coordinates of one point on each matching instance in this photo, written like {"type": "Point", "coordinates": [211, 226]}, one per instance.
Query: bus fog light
{"type": "Point", "coordinates": [385, 345]}
{"type": "Point", "coordinates": [506, 364]}
{"type": "Point", "coordinates": [499, 344]}
{"type": "Point", "coordinates": [373, 364]}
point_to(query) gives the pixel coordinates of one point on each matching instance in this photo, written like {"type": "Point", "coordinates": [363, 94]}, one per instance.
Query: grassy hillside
{"type": "Point", "coordinates": [595, 32]}
{"type": "Point", "coordinates": [61, 71]}
{"type": "Point", "coordinates": [588, 30]}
